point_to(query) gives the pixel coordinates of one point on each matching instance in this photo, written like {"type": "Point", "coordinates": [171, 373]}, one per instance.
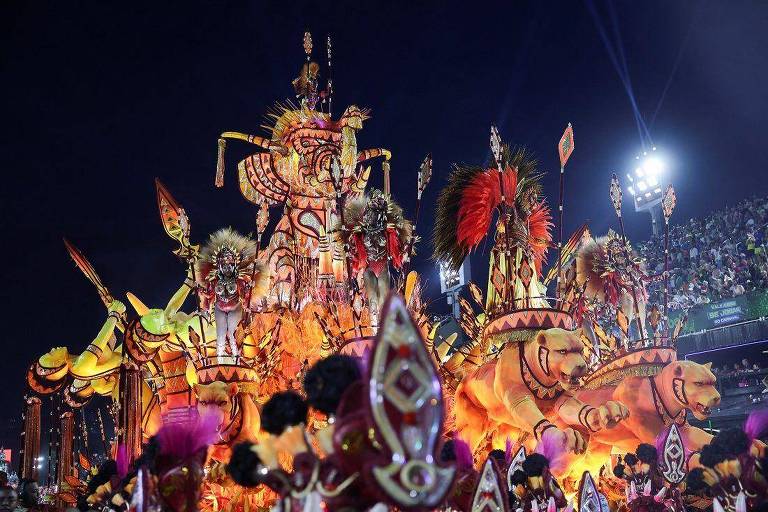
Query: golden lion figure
{"type": "Point", "coordinates": [655, 403]}
{"type": "Point", "coordinates": [528, 390]}
{"type": "Point", "coordinates": [236, 411]}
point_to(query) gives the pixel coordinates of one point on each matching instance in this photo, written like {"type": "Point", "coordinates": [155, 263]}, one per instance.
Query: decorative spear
{"type": "Point", "coordinates": [330, 77]}
{"type": "Point", "coordinates": [564, 149]}
{"type": "Point", "coordinates": [425, 174]}
{"type": "Point", "coordinates": [355, 301]}
{"type": "Point", "coordinates": [177, 226]}
{"type": "Point", "coordinates": [616, 198]}
{"type": "Point", "coordinates": [90, 273]}
{"type": "Point", "coordinates": [496, 149]}
{"type": "Point", "coordinates": [667, 206]}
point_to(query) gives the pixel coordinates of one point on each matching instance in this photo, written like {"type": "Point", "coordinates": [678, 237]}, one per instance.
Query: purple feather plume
{"type": "Point", "coordinates": [756, 424]}
{"type": "Point", "coordinates": [552, 447]}
{"type": "Point", "coordinates": [463, 454]}
{"type": "Point", "coordinates": [121, 461]}
{"type": "Point", "coordinates": [182, 440]}
{"type": "Point", "coordinates": [508, 452]}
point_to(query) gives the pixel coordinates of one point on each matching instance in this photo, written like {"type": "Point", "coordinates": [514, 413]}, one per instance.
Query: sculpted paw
{"type": "Point", "coordinates": [571, 440]}
{"type": "Point", "coordinates": [608, 415]}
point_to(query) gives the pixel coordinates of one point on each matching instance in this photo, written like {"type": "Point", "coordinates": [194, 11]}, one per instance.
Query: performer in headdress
{"type": "Point", "coordinates": [232, 280]}
{"type": "Point", "coordinates": [377, 235]}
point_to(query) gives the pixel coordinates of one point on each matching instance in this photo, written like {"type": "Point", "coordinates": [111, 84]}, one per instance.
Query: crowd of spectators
{"type": "Point", "coordinates": [718, 257]}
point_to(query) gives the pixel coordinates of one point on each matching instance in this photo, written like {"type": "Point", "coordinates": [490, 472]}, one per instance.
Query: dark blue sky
{"type": "Point", "coordinates": [101, 97]}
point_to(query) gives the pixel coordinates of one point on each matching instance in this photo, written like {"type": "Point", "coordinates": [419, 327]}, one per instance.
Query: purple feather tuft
{"type": "Point", "coordinates": [552, 446]}
{"type": "Point", "coordinates": [508, 452]}
{"type": "Point", "coordinates": [182, 440]}
{"type": "Point", "coordinates": [121, 461]}
{"type": "Point", "coordinates": [756, 424]}
{"type": "Point", "coordinates": [463, 454]}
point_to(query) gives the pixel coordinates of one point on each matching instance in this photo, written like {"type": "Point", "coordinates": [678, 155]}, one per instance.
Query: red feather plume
{"type": "Point", "coordinates": [539, 233]}
{"type": "Point", "coordinates": [481, 197]}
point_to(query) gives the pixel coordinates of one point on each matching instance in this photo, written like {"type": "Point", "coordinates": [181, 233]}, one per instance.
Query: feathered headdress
{"type": "Point", "coordinates": [465, 208]}
{"type": "Point", "coordinates": [399, 230]}
{"type": "Point", "coordinates": [608, 266]}
{"type": "Point", "coordinates": [243, 249]}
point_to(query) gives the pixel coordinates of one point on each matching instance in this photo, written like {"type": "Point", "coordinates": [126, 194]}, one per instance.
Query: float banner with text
{"type": "Point", "coordinates": [749, 306]}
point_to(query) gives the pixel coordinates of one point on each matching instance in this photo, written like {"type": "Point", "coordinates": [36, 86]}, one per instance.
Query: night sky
{"type": "Point", "coordinates": [101, 97]}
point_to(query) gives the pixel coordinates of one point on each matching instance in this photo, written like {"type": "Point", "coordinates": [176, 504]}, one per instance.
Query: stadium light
{"type": "Point", "coordinates": [451, 282]}
{"type": "Point", "coordinates": [646, 186]}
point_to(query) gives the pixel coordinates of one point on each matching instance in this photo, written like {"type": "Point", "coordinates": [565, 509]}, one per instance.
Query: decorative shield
{"type": "Point", "coordinates": [489, 496]}
{"type": "Point", "coordinates": [565, 146]}
{"type": "Point", "coordinates": [673, 465]}
{"type": "Point", "coordinates": [175, 221]}
{"type": "Point", "coordinates": [406, 406]}
{"type": "Point", "coordinates": [514, 465]}
{"type": "Point", "coordinates": [425, 174]}
{"type": "Point", "coordinates": [669, 202]}
{"type": "Point", "coordinates": [589, 498]}
{"type": "Point", "coordinates": [616, 195]}
{"type": "Point", "coordinates": [496, 145]}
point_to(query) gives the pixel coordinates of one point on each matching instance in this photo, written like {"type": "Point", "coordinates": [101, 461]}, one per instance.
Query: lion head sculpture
{"type": "Point", "coordinates": [693, 386]}
{"type": "Point", "coordinates": [216, 399]}
{"type": "Point", "coordinates": [561, 356]}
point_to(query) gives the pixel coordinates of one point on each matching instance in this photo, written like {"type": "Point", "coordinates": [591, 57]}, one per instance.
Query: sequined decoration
{"type": "Point", "coordinates": [673, 466]}
{"type": "Point", "coordinates": [669, 202]}
{"type": "Point", "coordinates": [496, 144]}
{"type": "Point", "coordinates": [307, 43]}
{"type": "Point", "coordinates": [425, 174]}
{"type": "Point", "coordinates": [406, 404]}
{"type": "Point", "coordinates": [488, 495]}
{"type": "Point", "coordinates": [616, 194]}
{"type": "Point", "coordinates": [515, 465]}
{"type": "Point", "coordinates": [589, 498]}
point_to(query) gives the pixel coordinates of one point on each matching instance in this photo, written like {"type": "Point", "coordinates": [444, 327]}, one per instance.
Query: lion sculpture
{"type": "Point", "coordinates": [656, 402]}
{"type": "Point", "coordinates": [529, 389]}
{"type": "Point", "coordinates": [238, 416]}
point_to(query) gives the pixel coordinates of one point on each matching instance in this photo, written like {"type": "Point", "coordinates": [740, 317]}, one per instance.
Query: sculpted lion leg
{"type": "Point", "coordinates": [470, 420]}
{"type": "Point", "coordinates": [576, 413]}
{"type": "Point", "coordinates": [524, 409]}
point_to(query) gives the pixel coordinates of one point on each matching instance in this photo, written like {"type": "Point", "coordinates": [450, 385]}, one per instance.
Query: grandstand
{"type": "Point", "coordinates": [719, 278]}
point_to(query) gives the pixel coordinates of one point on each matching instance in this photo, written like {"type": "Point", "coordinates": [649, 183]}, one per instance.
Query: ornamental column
{"type": "Point", "coordinates": [31, 436]}
{"type": "Point", "coordinates": [66, 433]}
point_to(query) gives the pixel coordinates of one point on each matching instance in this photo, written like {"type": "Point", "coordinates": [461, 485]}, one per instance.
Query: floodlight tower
{"type": "Point", "coordinates": [451, 282]}
{"type": "Point", "coordinates": [646, 188]}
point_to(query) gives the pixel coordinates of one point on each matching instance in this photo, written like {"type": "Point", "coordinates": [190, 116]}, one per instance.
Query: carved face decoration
{"type": "Point", "coordinates": [561, 356]}
{"type": "Point", "coordinates": [215, 399]}
{"type": "Point", "coordinates": [693, 385]}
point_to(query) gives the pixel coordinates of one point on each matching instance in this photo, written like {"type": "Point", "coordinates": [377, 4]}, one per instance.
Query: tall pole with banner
{"type": "Point", "coordinates": [564, 150]}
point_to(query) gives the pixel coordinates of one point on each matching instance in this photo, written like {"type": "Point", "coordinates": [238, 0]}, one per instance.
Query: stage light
{"type": "Point", "coordinates": [648, 194]}
{"type": "Point", "coordinates": [653, 166]}
{"type": "Point", "coordinates": [657, 191]}
{"type": "Point", "coordinates": [631, 190]}
{"type": "Point", "coordinates": [641, 185]}
{"type": "Point", "coordinates": [639, 172]}
{"type": "Point", "coordinates": [652, 181]}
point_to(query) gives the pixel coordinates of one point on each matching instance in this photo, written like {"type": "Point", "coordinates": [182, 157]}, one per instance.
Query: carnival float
{"type": "Point", "coordinates": [308, 374]}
